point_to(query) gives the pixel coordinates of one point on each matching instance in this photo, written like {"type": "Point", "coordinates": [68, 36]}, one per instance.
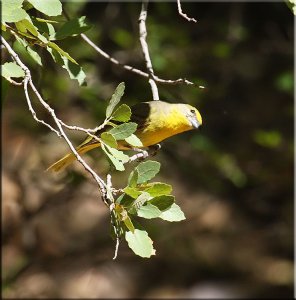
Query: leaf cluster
{"type": "Point", "coordinates": [140, 198]}
{"type": "Point", "coordinates": [33, 33]}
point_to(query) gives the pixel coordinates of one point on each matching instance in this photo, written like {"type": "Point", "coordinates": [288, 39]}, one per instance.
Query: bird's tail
{"type": "Point", "coordinates": [70, 157]}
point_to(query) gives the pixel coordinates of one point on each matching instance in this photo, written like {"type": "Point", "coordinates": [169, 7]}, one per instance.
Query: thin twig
{"type": "Point", "coordinates": [135, 70]}
{"type": "Point", "coordinates": [116, 248]}
{"type": "Point", "coordinates": [31, 109]}
{"type": "Point", "coordinates": [13, 81]}
{"type": "Point", "coordinates": [183, 14]}
{"type": "Point", "coordinates": [88, 131]}
{"type": "Point", "coordinates": [142, 154]}
{"type": "Point", "coordinates": [26, 80]}
{"type": "Point", "coordinates": [145, 49]}
{"type": "Point", "coordinates": [112, 59]}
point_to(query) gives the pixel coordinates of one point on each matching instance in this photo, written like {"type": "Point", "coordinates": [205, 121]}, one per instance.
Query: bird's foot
{"type": "Point", "coordinates": [154, 149]}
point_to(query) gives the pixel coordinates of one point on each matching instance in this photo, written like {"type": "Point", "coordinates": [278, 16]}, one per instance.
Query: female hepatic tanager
{"type": "Point", "coordinates": [157, 121]}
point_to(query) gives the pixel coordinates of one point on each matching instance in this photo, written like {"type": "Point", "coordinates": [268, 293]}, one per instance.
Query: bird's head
{"type": "Point", "coordinates": [193, 115]}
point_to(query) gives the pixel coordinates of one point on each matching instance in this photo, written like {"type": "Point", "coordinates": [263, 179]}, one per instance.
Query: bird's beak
{"type": "Point", "coordinates": [194, 122]}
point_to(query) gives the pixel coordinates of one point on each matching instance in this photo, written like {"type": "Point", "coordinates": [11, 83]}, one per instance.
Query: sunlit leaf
{"type": "Point", "coordinates": [147, 170]}
{"type": "Point", "coordinates": [140, 243]}
{"type": "Point", "coordinates": [109, 139]}
{"type": "Point", "coordinates": [133, 178]}
{"type": "Point", "coordinates": [48, 7]}
{"type": "Point", "coordinates": [118, 154]}
{"type": "Point", "coordinates": [123, 131]}
{"type": "Point", "coordinates": [141, 200]}
{"type": "Point", "coordinates": [131, 191]}
{"type": "Point", "coordinates": [25, 25]}
{"type": "Point", "coordinates": [117, 163]}
{"type": "Point", "coordinates": [134, 141]}
{"type": "Point", "coordinates": [33, 54]}
{"type": "Point", "coordinates": [119, 91]}
{"type": "Point", "coordinates": [72, 27]}
{"type": "Point", "coordinates": [62, 52]}
{"type": "Point", "coordinates": [158, 188]}
{"type": "Point", "coordinates": [124, 217]}
{"type": "Point", "coordinates": [122, 113]}
{"type": "Point", "coordinates": [11, 69]}
{"type": "Point", "coordinates": [173, 214]}
{"type": "Point", "coordinates": [148, 211]}
{"type": "Point", "coordinates": [12, 11]}
{"type": "Point", "coordinates": [74, 70]}
{"type": "Point", "coordinates": [46, 20]}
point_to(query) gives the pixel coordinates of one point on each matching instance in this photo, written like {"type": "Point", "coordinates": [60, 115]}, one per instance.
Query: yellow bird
{"type": "Point", "coordinates": [157, 121]}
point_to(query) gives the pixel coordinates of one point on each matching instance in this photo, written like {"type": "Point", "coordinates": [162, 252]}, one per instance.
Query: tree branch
{"type": "Point", "coordinates": [145, 49]}
{"type": "Point", "coordinates": [112, 59]}
{"type": "Point", "coordinates": [60, 132]}
{"type": "Point", "coordinates": [135, 70]}
{"type": "Point", "coordinates": [183, 14]}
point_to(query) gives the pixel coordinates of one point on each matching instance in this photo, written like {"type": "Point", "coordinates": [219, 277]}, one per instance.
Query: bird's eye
{"type": "Point", "coordinates": [192, 111]}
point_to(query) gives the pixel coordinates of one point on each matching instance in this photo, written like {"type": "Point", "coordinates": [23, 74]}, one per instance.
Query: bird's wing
{"type": "Point", "coordinates": [140, 114]}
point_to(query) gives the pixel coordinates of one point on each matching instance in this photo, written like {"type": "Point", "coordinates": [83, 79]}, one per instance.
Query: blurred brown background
{"type": "Point", "coordinates": [233, 178]}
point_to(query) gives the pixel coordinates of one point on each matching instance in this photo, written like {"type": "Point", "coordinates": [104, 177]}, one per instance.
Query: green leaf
{"type": "Point", "coordinates": [118, 158]}
{"type": "Point", "coordinates": [74, 70]}
{"type": "Point", "coordinates": [12, 11]}
{"type": "Point", "coordinates": [48, 7]}
{"type": "Point", "coordinates": [163, 202]}
{"type": "Point", "coordinates": [122, 114]}
{"type": "Point", "coordinates": [158, 188]}
{"type": "Point", "coordinates": [129, 224]}
{"type": "Point", "coordinates": [118, 154]}
{"type": "Point", "coordinates": [26, 25]}
{"type": "Point", "coordinates": [147, 170]}
{"type": "Point", "coordinates": [123, 216]}
{"type": "Point", "coordinates": [125, 200]}
{"type": "Point", "coordinates": [119, 91]}
{"type": "Point", "coordinates": [123, 131]}
{"type": "Point", "coordinates": [61, 52]}
{"type": "Point", "coordinates": [44, 40]}
{"type": "Point", "coordinates": [133, 178]}
{"type": "Point", "coordinates": [11, 69]}
{"type": "Point", "coordinates": [140, 243]}
{"type": "Point", "coordinates": [72, 27]}
{"type": "Point", "coordinates": [56, 56]}
{"type": "Point", "coordinates": [50, 29]}
{"type": "Point", "coordinates": [44, 27]}
{"type": "Point", "coordinates": [140, 201]}
{"type": "Point", "coordinates": [131, 191]}
{"type": "Point", "coordinates": [173, 214]}
{"type": "Point", "coordinates": [33, 54]}
{"type": "Point", "coordinates": [20, 26]}
{"type": "Point", "coordinates": [148, 211]}
{"type": "Point", "coordinates": [134, 141]}
{"type": "Point", "coordinates": [46, 21]}
{"type": "Point", "coordinates": [117, 164]}
{"type": "Point", "coordinates": [108, 139]}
